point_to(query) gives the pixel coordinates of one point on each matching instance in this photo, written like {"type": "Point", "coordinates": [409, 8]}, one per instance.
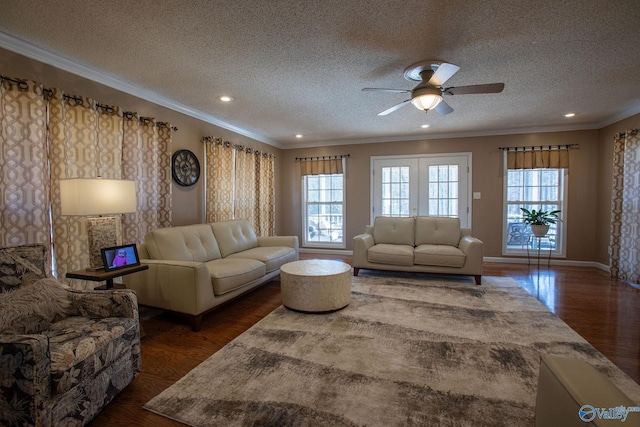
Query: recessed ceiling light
{"type": "Point", "coordinates": [424, 126]}
{"type": "Point", "coordinates": [570, 115]}
{"type": "Point", "coordinates": [298, 136]}
{"type": "Point", "coordinates": [226, 98]}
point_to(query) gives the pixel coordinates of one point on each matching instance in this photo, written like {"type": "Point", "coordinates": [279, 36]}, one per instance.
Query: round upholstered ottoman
{"type": "Point", "coordinates": [315, 285]}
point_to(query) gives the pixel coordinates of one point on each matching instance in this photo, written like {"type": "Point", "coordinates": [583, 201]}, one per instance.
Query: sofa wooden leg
{"type": "Point", "coordinates": [478, 279]}
{"type": "Point", "coordinates": [356, 270]}
{"type": "Point", "coordinates": [196, 322]}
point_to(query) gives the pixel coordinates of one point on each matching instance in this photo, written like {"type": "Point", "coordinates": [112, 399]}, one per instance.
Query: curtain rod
{"type": "Point", "coordinates": [337, 156]}
{"type": "Point", "coordinates": [21, 83]}
{"type": "Point", "coordinates": [540, 147]}
{"type": "Point", "coordinates": [245, 148]}
{"type": "Point", "coordinates": [624, 134]}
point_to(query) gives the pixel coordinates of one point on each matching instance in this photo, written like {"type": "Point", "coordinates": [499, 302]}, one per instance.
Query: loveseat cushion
{"type": "Point", "coordinates": [234, 236]}
{"type": "Point", "coordinates": [439, 255]}
{"type": "Point", "coordinates": [185, 243]}
{"type": "Point", "coordinates": [391, 254]}
{"type": "Point", "coordinates": [228, 274]}
{"type": "Point", "coordinates": [434, 230]}
{"type": "Point", "coordinates": [82, 347]}
{"type": "Point", "coordinates": [273, 256]}
{"type": "Point", "coordinates": [394, 230]}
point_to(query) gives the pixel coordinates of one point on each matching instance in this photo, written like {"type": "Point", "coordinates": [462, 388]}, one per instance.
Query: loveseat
{"type": "Point", "coordinates": [195, 268]}
{"type": "Point", "coordinates": [418, 244]}
{"type": "Point", "coordinates": [64, 354]}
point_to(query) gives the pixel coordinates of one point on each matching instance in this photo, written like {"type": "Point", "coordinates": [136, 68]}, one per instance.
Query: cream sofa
{"type": "Point", "coordinates": [195, 268]}
{"type": "Point", "coordinates": [419, 244]}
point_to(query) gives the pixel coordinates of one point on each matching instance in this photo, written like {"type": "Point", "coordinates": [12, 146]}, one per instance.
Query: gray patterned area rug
{"type": "Point", "coordinates": [408, 351]}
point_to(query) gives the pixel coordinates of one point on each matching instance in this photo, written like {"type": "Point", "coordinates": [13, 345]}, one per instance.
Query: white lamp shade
{"type": "Point", "coordinates": [426, 98]}
{"type": "Point", "coordinates": [97, 196]}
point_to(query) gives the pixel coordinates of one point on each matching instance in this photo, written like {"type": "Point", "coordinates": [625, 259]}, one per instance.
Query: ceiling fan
{"type": "Point", "coordinates": [427, 95]}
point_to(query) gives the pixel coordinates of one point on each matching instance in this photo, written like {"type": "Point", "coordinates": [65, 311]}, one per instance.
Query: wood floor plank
{"type": "Point", "coordinates": [606, 313]}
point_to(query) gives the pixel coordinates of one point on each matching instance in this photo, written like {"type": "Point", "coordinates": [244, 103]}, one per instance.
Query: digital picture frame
{"type": "Point", "coordinates": [118, 257]}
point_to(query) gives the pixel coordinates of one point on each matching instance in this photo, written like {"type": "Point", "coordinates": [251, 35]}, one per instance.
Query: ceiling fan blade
{"type": "Point", "coordinates": [394, 108]}
{"type": "Point", "coordinates": [379, 89]}
{"type": "Point", "coordinates": [443, 73]}
{"type": "Point", "coordinates": [443, 108]}
{"type": "Point", "coordinates": [474, 89]}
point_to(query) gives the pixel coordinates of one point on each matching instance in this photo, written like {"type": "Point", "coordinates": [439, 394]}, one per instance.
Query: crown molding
{"type": "Point", "coordinates": [34, 52]}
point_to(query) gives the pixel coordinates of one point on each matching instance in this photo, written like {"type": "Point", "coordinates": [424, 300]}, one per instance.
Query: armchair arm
{"type": "Point", "coordinates": [100, 304]}
{"type": "Point", "coordinates": [25, 385]}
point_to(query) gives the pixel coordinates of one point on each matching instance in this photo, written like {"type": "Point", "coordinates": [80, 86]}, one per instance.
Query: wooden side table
{"type": "Point", "coordinates": [101, 275]}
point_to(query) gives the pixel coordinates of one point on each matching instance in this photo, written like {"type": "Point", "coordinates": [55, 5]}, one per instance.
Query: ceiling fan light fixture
{"type": "Point", "coordinates": [426, 98]}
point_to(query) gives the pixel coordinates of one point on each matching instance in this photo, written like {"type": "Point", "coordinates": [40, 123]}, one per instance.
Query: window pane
{"type": "Point", "coordinates": [443, 190]}
{"type": "Point", "coordinates": [323, 210]}
{"type": "Point", "coordinates": [539, 189]}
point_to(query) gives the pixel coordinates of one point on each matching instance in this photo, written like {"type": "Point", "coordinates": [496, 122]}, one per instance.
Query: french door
{"type": "Point", "coordinates": [434, 185]}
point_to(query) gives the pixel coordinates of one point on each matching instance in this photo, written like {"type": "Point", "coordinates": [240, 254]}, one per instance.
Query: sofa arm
{"type": "Point", "coordinates": [24, 379]}
{"type": "Point", "coordinates": [288, 241]}
{"type": "Point", "coordinates": [361, 243]}
{"type": "Point", "coordinates": [182, 286]}
{"type": "Point", "coordinates": [101, 304]}
{"type": "Point", "coordinates": [471, 246]}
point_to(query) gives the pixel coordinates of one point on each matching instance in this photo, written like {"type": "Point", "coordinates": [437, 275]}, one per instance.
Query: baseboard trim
{"type": "Point", "coordinates": [565, 262]}
{"type": "Point", "coordinates": [325, 251]}
{"type": "Point", "coordinates": [500, 260]}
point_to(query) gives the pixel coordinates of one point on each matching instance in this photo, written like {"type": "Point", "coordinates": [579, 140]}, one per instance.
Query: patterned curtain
{"type": "Point", "coordinates": [240, 183]}
{"type": "Point", "coordinates": [245, 185]}
{"type": "Point", "coordinates": [265, 194]}
{"type": "Point", "coordinates": [85, 142]}
{"type": "Point", "coordinates": [219, 157]}
{"type": "Point", "coordinates": [24, 184]}
{"type": "Point", "coordinates": [625, 208]}
{"type": "Point", "coordinates": [147, 161]}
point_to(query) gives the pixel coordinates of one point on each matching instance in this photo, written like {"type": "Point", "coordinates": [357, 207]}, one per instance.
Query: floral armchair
{"type": "Point", "coordinates": [64, 354]}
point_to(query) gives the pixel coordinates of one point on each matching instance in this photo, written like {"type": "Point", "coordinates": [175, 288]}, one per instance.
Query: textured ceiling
{"type": "Point", "coordinates": [298, 66]}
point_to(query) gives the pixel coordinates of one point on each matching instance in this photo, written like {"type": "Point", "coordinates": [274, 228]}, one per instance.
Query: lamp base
{"type": "Point", "coordinates": [101, 233]}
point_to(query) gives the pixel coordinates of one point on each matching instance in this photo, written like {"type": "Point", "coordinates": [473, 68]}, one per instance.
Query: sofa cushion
{"type": "Point", "coordinates": [228, 274]}
{"type": "Point", "coordinates": [439, 255]}
{"type": "Point", "coordinates": [31, 309]}
{"type": "Point", "coordinates": [273, 256]}
{"type": "Point", "coordinates": [82, 347]}
{"type": "Point", "coordinates": [234, 236]}
{"type": "Point", "coordinates": [394, 230]}
{"type": "Point", "coordinates": [185, 243]}
{"type": "Point", "coordinates": [434, 230]}
{"type": "Point", "coordinates": [391, 254]}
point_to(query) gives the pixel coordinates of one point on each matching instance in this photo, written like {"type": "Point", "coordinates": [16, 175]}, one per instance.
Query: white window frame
{"type": "Point", "coordinates": [328, 243]}
{"type": "Point", "coordinates": [419, 164]}
{"type": "Point", "coordinates": [561, 227]}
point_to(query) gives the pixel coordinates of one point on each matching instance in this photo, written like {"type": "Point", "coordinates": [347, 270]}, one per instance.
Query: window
{"type": "Point", "coordinates": [443, 190]}
{"type": "Point", "coordinates": [424, 184]}
{"type": "Point", "coordinates": [395, 191]}
{"type": "Point", "coordinates": [323, 210]}
{"type": "Point", "coordinates": [533, 189]}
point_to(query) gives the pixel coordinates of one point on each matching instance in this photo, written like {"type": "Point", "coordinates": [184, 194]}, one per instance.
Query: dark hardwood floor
{"type": "Point", "coordinates": [606, 313]}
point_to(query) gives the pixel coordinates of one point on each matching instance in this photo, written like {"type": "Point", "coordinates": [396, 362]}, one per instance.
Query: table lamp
{"type": "Point", "coordinates": [96, 197]}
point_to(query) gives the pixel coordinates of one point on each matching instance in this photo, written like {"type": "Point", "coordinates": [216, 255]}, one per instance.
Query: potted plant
{"type": "Point", "coordinates": [539, 221]}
